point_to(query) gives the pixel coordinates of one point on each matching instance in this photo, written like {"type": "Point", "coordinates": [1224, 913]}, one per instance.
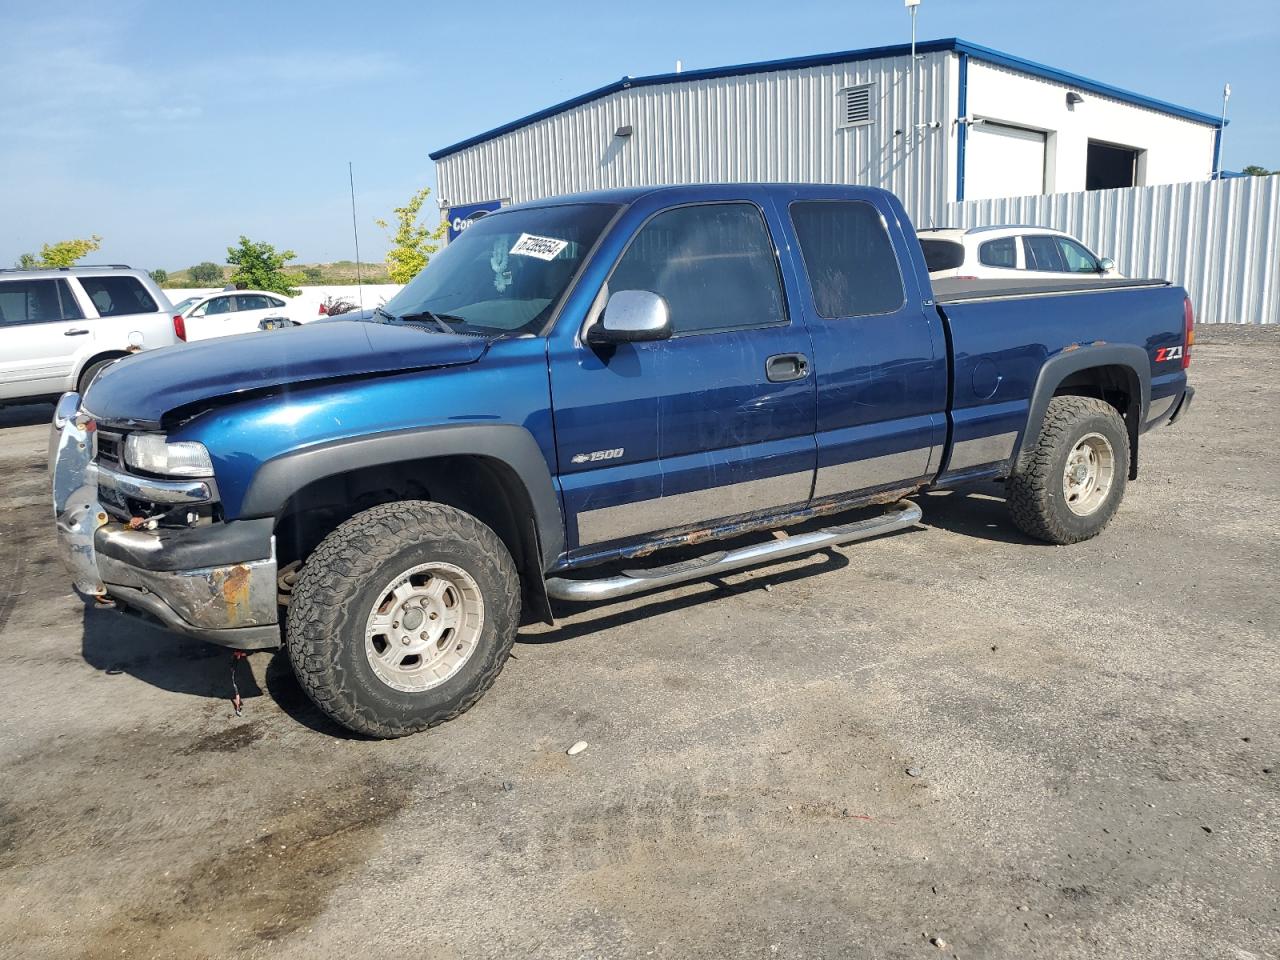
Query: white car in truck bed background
{"type": "Point", "coordinates": [1010, 252]}
{"type": "Point", "coordinates": [59, 327]}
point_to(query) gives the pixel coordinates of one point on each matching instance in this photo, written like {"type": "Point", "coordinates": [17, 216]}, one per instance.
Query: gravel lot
{"type": "Point", "coordinates": [1095, 732]}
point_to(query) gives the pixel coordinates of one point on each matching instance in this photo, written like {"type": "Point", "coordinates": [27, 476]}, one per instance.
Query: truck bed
{"type": "Point", "coordinates": [960, 291]}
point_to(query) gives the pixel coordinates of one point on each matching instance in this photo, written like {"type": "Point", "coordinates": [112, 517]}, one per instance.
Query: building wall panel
{"type": "Point", "coordinates": [777, 126]}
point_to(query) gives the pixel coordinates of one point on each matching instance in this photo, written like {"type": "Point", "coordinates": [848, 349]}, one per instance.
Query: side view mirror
{"type": "Point", "coordinates": [1106, 264]}
{"type": "Point", "coordinates": [631, 316]}
{"type": "Point", "coordinates": [275, 323]}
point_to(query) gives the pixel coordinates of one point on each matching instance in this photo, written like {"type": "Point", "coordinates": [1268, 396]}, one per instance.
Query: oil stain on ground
{"type": "Point", "coordinates": [265, 889]}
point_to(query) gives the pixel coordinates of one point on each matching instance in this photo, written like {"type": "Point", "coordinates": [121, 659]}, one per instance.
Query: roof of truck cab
{"type": "Point", "coordinates": [624, 196]}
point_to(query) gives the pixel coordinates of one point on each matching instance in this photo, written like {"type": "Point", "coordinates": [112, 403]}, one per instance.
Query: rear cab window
{"type": "Point", "coordinates": [118, 296]}
{"type": "Point", "coordinates": [37, 301]}
{"type": "Point", "coordinates": [849, 258]}
{"type": "Point", "coordinates": [999, 253]}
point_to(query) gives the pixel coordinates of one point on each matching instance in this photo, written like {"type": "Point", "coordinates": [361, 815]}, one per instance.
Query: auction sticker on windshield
{"type": "Point", "coordinates": [544, 248]}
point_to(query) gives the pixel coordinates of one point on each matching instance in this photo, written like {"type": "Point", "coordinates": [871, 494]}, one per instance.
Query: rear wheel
{"type": "Point", "coordinates": [403, 617]}
{"type": "Point", "coordinates": [1071, 483]}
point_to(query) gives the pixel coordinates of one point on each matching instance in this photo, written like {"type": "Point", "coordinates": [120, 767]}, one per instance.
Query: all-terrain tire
{"type": "Point", "coordinates": [339, 585]}
{"type": "Point", "coordinates": [1037, 492]}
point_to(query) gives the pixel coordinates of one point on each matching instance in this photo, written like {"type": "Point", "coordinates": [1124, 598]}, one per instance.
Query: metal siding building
{"type": "Point", "coordinates": [985, 122]}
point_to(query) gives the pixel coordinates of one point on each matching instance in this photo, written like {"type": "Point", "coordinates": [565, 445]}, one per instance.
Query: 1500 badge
{"type": "Point", "coordinates": [595, 456]}
{"type": "Point", "coordinates": [1168, 353]}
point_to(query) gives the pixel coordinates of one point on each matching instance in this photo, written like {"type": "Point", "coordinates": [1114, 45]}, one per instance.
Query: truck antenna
{"type": "Point", "coordinates": [355, 233]}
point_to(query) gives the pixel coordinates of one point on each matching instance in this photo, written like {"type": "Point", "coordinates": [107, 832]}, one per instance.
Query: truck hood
{"type": "Point", "coordinates": [141, 389]}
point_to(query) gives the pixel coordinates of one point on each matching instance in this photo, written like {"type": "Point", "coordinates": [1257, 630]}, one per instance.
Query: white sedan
{"type": "Point", "coordinates": [993, 253]}
{"type": "Point", "coordinates": [232, 311]}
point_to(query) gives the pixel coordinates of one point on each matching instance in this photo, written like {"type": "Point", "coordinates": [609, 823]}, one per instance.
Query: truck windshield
{"type": "Point", "coordinates": [507, 272]}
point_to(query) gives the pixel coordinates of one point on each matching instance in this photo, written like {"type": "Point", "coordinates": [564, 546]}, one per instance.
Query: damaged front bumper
{"type": "Point", "coordinates": [215, 582]}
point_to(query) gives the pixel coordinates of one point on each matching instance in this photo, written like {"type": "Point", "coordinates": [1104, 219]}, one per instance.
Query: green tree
{"type": "Point", "coordinates": [412, 244]}
{"type": "Point", "coordinates": [159, 275]}
{"type": "Point", "coordinates": [260, 267]}
{"type": "Point", "coordinates": [314, 274]}
{"type": "Point", "coordinates": [64, 253]}
{"type": "Point", "coordinates": [205, 273]}
{"type": "Point", "coordinates": [1254, 170]}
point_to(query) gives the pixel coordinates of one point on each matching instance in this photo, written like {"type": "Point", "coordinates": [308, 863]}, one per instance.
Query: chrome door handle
{"type": "Point", "coordinates": [787, 366]}
{"type": "Point", "coordinates": [74, 333]}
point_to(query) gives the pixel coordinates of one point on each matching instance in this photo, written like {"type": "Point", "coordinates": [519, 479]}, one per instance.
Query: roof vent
{"type": "Point", "coordinates": [856, 106]}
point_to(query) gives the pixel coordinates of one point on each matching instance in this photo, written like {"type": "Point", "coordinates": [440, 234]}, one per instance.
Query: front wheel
{"type": "Point", "coordinates": [1071, 483]}
{"type": "Point", "coordinates": [403, 617]}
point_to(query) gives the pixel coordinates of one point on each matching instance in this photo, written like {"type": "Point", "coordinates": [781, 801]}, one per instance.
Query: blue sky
{"type": "Point", "coordinates": [172, 128]}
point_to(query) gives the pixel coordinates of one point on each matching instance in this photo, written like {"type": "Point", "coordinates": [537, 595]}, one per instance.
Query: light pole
{"type": "Point", "coordinates": [912, 5]}
{"type": "Point", "coordinates": [1222, 132]}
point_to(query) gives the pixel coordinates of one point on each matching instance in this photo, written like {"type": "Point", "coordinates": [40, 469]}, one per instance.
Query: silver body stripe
{"type": "Point", "coordinates": [873, 472]}
{"type": "Point", "coordinates": [696, 506]}
{"type": "Point", "coordinates": [973, 453]}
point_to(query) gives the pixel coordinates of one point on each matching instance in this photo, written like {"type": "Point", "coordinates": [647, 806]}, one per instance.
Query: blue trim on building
{"type": "Point", "coordinates": [962, 128]}
{"type": "Point", "coordinates": [1217, 150]}
{"type": "Point", "coordinates": [950, 44]}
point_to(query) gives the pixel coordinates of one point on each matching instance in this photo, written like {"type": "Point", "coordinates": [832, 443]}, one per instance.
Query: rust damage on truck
{"type": "Point", "coordinates": [765, 520]}
{"type": "Point", "coordinates": [233, 590]}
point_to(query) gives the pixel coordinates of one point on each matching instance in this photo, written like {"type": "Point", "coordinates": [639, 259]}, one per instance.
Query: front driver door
{"type": "Point", "coordinates": [715, 422]}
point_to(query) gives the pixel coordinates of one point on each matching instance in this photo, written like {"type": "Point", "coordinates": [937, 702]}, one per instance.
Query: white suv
{"type": "Point", "coordinates": [1014, 253]}
{"type": "Point", "coordinates": [58, 328]}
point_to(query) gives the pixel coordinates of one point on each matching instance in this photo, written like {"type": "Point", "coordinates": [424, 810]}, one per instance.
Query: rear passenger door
{"type": "Point", "coordinates": [251, 309]}
{"type": "Point", "coordinates": [878, 345]}
{"type": "Point", "coordinates": [715, 422]}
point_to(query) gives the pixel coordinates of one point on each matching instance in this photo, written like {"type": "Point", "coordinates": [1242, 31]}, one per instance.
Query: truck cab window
{"type": "Point", "coordinates": [849, 258]}
{"type": "Point", "coordinates": [713, 263]}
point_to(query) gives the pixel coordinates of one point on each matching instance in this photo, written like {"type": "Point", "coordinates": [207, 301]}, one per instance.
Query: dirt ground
{"type": "Point", "coordinates": [1095, 729]}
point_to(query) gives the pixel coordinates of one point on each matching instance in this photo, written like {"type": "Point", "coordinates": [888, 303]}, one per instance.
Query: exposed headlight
{"type": "Point", "coordinates": [153, 453]}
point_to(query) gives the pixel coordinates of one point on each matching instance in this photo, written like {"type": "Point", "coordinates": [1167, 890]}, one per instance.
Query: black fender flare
{"type": "Point", "coordinates": [514, 447]}
{"type": "Point", "coordinates": [1062, 365]}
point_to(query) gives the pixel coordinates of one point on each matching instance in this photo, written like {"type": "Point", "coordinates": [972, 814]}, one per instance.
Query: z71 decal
{"type": "Point", "coordinates": [1168, 353]}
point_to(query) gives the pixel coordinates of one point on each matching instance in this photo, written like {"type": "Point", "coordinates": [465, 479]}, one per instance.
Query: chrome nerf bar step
{"type": "Point", "coordinates": [903, 515]}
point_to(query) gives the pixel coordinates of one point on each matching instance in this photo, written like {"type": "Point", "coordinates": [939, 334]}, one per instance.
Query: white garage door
{"type": "Point", "coordinates": [1002, 161]}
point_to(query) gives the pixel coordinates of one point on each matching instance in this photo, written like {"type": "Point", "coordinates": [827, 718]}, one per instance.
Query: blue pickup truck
{"type": "Point", "coordinates": [571, 387]}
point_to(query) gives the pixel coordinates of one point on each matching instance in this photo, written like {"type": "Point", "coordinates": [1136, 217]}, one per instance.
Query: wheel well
{"type": "Point", "coordinates": [1117, 385]}
{"type": "Point", "coordinates": [105, 355]}
{"type": "Point", "coordinates": [486, 488]}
